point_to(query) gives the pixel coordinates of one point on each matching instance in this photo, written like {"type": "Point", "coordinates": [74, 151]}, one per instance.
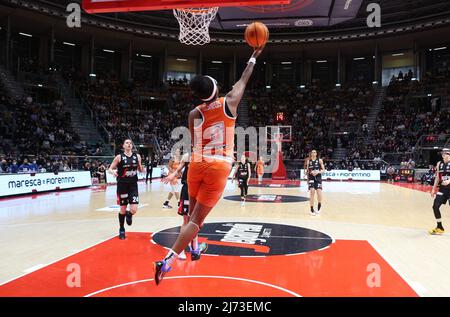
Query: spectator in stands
{"type": "Point", "coordinates": [34, 167]}
{"type": "Point", "coordinates": [14, 168]}
{"type": "Point", "coordinates": [3, 166]}
{"type": "Point", "coordinates": [24, 167]}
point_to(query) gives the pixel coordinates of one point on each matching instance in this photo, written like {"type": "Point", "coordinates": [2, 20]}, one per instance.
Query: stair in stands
{"type": "Point", "coordinates": [242, 113]}
{"type": "Point", "coordinates": [13, 88]}
{"type": "Point", "coordinates": [82, 120]}
{"type": "Point", "coordinates": [339, 153]}
{"type": "Point", "coordinates": [374, 112]}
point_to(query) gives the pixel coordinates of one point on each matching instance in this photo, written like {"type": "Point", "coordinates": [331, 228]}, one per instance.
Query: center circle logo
{"type": "Point", "coordinates": [251, 239]}
{"type": "Point", "coordinates": [268, 198]}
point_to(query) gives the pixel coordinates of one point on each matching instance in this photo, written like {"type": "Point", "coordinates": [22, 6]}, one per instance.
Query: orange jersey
{"type": "Point", "coordinates": [260, 167]}
{"type": "Point", "coordinates": [173, 165]}
{"type": "Point", "coordinates": [214, 137]}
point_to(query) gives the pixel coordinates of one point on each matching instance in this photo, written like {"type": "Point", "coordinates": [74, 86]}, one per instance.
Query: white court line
{"type": "Point", "coordinates": [295, 254]}
{"type": "Point", "coordinates": [60, 259]}
{"type": "Point", "coordinates": [416, 286]}
{"type": "Point", "coordinates": [34, 268]}
{"type": "Point", "coordinates": [197, 276]}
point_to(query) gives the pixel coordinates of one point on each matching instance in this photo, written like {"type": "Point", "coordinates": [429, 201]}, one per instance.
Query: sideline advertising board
{"type": "Point", "coordinates": [16, 184]}
{"type": "Point", "coordinates": [356, 175]}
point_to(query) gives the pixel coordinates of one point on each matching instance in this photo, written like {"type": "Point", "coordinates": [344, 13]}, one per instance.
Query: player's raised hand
{"type": "Point", "coordinates": [257, 51]}
{"type": "Point", "coordinates": [433, 192]}
{"type": "Point", "coordinates": [169, 178]}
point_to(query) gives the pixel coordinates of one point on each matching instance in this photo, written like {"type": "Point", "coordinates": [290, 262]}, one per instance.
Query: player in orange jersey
{"type": "Point", "coordinates": [259, 169]}
{"type": "Point", "coordinates": [174, 162]}
{"type": "Point", "coordinates": [212, 135]}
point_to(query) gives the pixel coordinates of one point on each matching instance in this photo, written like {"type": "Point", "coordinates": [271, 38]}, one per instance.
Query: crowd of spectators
{"type": "Point", "coordinates": [402, 122]}
{"type": "Point", "coordinates": [319, 115]}
{"type": "Point", "coordinates": [322, 118]}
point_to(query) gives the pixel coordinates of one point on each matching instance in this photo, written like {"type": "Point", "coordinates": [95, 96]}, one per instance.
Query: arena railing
{"type": "Point", "coordinates": [432, 141]}
{"type": "Point", "coordinates": [395, 158]}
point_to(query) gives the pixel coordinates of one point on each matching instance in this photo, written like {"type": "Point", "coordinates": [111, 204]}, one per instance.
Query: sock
{"type": "Point", "coordinates": [194, 244]}
{"type": "Point", "coordinates": [439, 225]}
{"type": "Point", "coordinates": [312, 209]}
{"type": "Point", "coordinates": [318, 206]}
{"type": "Point", "coordinates": [170, 257]}
{"type": "Point", "coordinates": [121, 221]}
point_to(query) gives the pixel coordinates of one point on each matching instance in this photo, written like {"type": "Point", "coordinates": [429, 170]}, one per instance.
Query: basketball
{"type": "Point", "coordinates": [256, 34]}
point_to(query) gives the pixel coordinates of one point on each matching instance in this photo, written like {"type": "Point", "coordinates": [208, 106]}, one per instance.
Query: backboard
{"type": "Point", "coordinates": [105, 6]}
{"type": "Point", "coordinates": [279, 133]}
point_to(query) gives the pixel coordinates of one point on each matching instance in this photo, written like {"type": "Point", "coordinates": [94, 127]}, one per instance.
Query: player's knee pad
{"type": "Point", "coordinates": [195, 224]}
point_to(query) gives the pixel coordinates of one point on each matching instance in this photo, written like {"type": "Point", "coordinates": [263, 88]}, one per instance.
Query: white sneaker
{"type": "Point", "coordinates": [167, 206]}
{"type": "Point", "coordinates": [243, 203]}
{"type": "Point", "coordinates": [182, 256]}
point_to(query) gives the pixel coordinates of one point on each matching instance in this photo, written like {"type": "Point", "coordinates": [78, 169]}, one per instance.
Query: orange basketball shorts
{"type": "Point", "coordinates": [207, 181]}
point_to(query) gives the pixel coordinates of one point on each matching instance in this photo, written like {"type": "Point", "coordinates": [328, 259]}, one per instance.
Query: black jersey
{"type": "Point", "coordinates": [313, 165]}
{"type": "Point", "coordinates": [127, 168]}
{"type": "Point", "coordinates": [444, 174]}
{"type": "Point", "coordinates": [243, 170]}
{"type": "Point", "coordinates": [185, 173]}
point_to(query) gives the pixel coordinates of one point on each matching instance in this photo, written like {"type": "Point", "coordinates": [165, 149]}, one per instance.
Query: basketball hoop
{"type": "Point", "coordinates": [194, 24]}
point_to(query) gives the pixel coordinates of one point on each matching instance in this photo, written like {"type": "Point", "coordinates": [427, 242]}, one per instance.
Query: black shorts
{"type": "Point", "coordinates": [242, 181]}
{"type": "Point", "coordinates": [183, 207]}
{"type": "Point", "coordinates": [390, 176]}
{"type": "Point", "coordinates": [127, 193]}
{"type": "Point", "coordinates": [314, 183]}
{"type": "Point", "coordinates": [442, 196]}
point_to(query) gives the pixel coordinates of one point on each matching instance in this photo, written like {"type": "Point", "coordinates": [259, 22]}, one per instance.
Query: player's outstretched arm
{"type": "Point", "coordinates": [235, 95]}
{"type": "Point", "coordinates": [305, 168]}
{"type": "Point", "coordinates": [322, 167]}
{"type": "Point", "coordinates": [112, 168]}
{"type": "Point", "coordinates": [172, 176]}
{"type": "Point", "coordinates": [140, 166]}
{"type": "Point", "coordinates": [436, 181]}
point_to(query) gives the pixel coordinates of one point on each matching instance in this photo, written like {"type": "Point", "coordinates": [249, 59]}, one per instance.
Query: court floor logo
{"type": "Point", "coordinates": [252, 239]}
{"type": "Point", "coordinates": [268, 198]}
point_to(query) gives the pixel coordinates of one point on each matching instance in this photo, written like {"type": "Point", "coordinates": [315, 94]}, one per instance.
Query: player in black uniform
{"type": "Point", "coordinates": [243, 173]}
{"type": "Point", "coordinates": [183, 207]}
{"type": "Point", "coordinates": [313, 169]}
{"type": "Point", "coordinates": [441, 197]}
{"type": "Point", "coordinates": [128, 164]}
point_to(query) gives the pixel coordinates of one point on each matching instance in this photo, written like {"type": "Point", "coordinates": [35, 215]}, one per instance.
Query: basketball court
{"type": "Point", "coordinates": [370, 240]}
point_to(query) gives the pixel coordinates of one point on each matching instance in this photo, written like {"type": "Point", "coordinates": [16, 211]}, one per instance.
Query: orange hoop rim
{"type": "Point", "coordinates": [198, 10]}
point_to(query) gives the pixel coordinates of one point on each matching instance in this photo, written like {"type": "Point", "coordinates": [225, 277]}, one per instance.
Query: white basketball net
{"type": "Point", "coordinates": [194, 24]}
